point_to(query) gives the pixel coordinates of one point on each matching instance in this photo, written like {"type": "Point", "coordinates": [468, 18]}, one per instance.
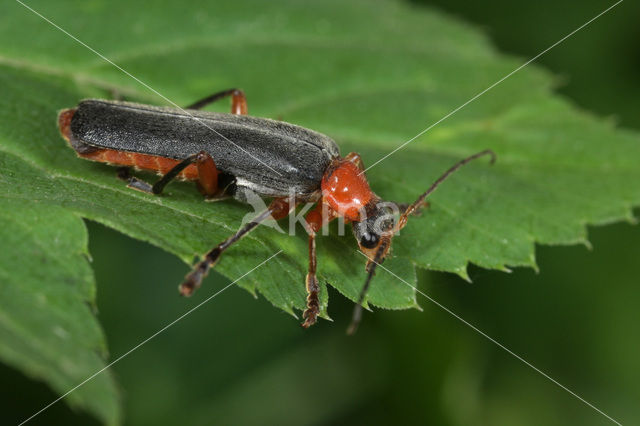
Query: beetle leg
{"type": "Point", "coordinates": [133, 182]}
{"type": "Point", "coordinates": [207, 176]}
{"type": "Point", "coordinates": [310, 314]}
{"type": "Point", "coordinates": [238, 101]}
{"type": "Point", "coordinates": [278, 209]}
{"type": "Point", "coordinates": [355, 158]}
{"type": "Point", "coordinates": [175, 171]}
{"type": "Point", "coordinates": [117, 95]}
{"type": "Point", "coordinates": [315, 219]}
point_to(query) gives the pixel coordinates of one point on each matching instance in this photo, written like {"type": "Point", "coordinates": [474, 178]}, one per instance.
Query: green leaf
{"type": "Point", "coordinates": [47, 327]}
{"type": "Point", "coordinates": [370, 77]}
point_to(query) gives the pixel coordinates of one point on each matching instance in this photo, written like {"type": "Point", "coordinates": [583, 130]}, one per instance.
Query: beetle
{"type": "Point", "coordinates": [230, 154]}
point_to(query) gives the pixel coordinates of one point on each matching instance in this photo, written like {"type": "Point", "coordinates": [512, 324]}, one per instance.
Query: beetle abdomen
{"type": "Point", "coordinates": [154, 163]}
{"type": "Point", "coordinates": [269, 157]}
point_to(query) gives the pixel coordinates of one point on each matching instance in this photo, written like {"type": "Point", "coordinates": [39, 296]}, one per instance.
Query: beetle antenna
{"type": "Point", "coordinates": [382, 248]}
{"type": "Point", "coordinates": [371, 268]}
{"type": "Point", "coordinates": [421, 199]}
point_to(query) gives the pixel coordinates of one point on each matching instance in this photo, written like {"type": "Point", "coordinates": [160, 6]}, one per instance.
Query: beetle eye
{"type": "Point", "coordinates": [369, 240]}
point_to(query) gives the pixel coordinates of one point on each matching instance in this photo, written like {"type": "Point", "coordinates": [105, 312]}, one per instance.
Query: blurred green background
{"type": "Point", "coordinates": [239, 361]}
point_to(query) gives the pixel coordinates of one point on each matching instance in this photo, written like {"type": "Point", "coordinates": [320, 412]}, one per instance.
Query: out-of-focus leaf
{"type": "Point", "coordinates": [47, 327]}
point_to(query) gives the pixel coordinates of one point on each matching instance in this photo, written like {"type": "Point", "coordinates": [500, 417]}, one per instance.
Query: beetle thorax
{"type": "Point", "coordinates": [345, 189]}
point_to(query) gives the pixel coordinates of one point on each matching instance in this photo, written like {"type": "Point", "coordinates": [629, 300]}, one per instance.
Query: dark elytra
{"type": "Point", "coordinates": [292, 158]}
